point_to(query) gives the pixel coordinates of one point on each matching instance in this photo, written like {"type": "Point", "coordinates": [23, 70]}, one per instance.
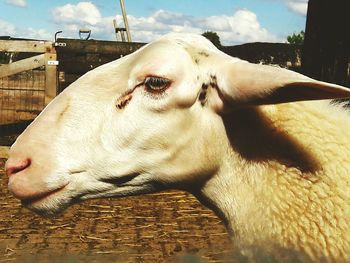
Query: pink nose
{"type": "Point", "coordinates": [13, 167]}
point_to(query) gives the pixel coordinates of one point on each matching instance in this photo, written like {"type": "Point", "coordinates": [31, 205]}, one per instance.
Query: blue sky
{"type": "Point", "coordinates": [236, 21]}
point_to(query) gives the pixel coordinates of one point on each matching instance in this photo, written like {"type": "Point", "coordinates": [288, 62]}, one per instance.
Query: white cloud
{"type": "Point", "coordinates": [32, 33]}
{"type": "Point", "coordinates": [84, 15]}
{"type": "Point", "coordinates": [298, 6]}
{"type": "Point", "coordinates": [6, 28]}
{"type": "Point", "coordinates": [81, 14]}
{"type": "Point", "coordinates": [295, 6]}
{"type": "Point", "coordinates": [19, 3]}
{"type": "Point", "coordinates": [242, 26]}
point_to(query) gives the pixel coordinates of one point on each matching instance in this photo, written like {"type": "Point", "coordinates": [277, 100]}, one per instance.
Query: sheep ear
{"type": "Point", "coordinates": [253, 84]}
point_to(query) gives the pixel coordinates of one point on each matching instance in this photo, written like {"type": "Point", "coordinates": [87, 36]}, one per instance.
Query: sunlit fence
{"type": "Point", "coordinates": [28, 81]}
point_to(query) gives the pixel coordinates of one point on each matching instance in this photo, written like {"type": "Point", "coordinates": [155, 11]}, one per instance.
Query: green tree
{"type": "Point", "coordinates": [296, 38]}
{"type": "Point", "coordinates": [213, 37]}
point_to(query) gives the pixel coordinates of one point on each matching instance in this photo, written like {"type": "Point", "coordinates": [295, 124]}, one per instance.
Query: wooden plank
{"type": "Point", "coordinates": [14, 116]}
{"type": "Point", "coordinates": [24, 88]}
{"type": "Point", "coordinates": [20, 105]}
{"type": "Point", "coordinates": [76, 64]}
{"type": "Point", "coordinates": [28, 80]}
{"type": "Point", "coordinates": [50, 77]}
{"type": "Point", "coordinates": [21, 100]}
{"type": "Point", "coordinates": [25, 46]}
{"type": "Point", "coordinates": [22, 65]}
{"type": "Point", "coordinates": [94, 46]}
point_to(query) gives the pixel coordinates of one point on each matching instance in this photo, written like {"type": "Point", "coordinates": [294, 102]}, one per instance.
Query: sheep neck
{"type": "Point", "coordinates": [273, 189]}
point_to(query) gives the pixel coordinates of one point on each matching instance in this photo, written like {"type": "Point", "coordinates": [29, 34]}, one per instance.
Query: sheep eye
{"type": "Point", "coordinates": [156, 84]}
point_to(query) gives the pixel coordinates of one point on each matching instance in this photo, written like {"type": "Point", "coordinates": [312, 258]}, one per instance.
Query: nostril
{"type": "Point", "coordinates": [12, 169]}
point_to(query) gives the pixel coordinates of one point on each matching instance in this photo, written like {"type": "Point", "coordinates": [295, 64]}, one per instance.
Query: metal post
{"type": "Point", "coordinates": [115, 28]}
{"type": "Point", "coordinates": [125, 20]}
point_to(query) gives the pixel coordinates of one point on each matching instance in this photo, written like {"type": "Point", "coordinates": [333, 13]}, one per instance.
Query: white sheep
{"type": "Point", "coordinates": [180, 114]}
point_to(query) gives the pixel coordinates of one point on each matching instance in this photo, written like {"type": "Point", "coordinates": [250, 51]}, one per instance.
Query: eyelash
{"type": "Point", "coordinates": [156, 85]}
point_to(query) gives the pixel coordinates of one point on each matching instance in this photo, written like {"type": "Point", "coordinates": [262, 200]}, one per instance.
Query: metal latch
{"type": "Point", "coordinates": [60, 44]}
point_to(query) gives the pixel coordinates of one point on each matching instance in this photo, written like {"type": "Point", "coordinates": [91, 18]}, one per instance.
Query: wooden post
{"type": "Point", "coordinates": [50, 76]}
{"type": "Point", "coordinates": [125, 20]}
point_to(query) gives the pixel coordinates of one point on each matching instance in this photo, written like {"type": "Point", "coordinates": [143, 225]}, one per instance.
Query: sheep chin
{"type": "Point", "coordinates": [48, 207]}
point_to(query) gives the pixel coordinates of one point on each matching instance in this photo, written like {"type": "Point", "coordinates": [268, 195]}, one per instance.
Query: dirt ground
{"type": "Point", "coordinates": [165, 227]}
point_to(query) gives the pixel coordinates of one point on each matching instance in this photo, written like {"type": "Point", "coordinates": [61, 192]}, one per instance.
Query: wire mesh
{"type": "Point", "coordinates": [22, 97]}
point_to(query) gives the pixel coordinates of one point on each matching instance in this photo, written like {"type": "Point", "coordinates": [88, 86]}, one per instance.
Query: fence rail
{"type": "Point", "coordinates": [28, 82]}
{"type": "Point", "coordinates": [35, 46]}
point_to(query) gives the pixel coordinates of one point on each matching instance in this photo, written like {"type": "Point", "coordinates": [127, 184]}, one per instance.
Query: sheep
{"type": "Point", "coordinates": [260, 145]}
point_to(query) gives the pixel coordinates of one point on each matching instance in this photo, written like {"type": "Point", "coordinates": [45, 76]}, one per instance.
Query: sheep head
{"type": "Point", "coordinates": [146, 122]}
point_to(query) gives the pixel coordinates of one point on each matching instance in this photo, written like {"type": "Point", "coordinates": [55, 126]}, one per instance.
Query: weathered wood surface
{"type": "Point", "coordinates": [24, 91]}
{"type": "Point", "coordinates": [21, 96]}
{"type": "Point", "coordinates": [33, 79]}
{"type": "Point", "coordinates": [80, 63]}
{"type": "Point", "coordinates": [51, 80]}
{"type": "Point", "coordinates": [20, 107]}
{"type": "Point", "coordinates": [22, 65]}
{"type": "Point", "coordinates": [25, 46]}
{"type": "Point", "coordinates": [97, 46]}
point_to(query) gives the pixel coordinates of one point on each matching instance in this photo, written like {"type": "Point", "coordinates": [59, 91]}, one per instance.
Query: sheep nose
{"type": "Point", "coordinates": [13, 166]}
